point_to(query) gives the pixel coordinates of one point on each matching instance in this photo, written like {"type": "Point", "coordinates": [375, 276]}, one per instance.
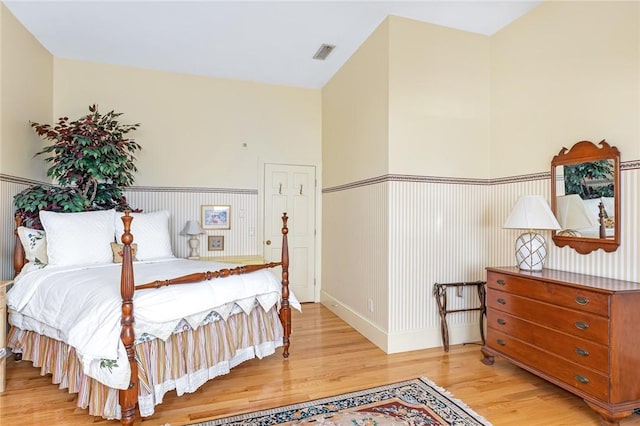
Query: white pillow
{"type": "Point", "coordinates": [151, 232]}
{"type": "Point", "coordinates": [34, 242]}
{"type": "Point", "coordinates": [79, 238]}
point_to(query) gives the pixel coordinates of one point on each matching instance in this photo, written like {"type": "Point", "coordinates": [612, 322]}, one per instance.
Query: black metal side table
{"type": "Point", "coordinates": [440, 293]}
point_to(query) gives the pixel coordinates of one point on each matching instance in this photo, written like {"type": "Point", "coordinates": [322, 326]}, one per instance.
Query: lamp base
{"type": "Point", "coordinates": [194, 245]}
{"type": "Point", "coordinates": [531, 251]}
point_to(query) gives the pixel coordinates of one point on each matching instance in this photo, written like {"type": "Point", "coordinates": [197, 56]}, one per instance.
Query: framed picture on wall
{"type": "Point", "coordinates": [216, 217]}
{"type": "Point", "coordinates": [215, 242]}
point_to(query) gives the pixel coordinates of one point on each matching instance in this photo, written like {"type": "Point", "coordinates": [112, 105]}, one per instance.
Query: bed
{"type": "Point", "coordinates": [192, 321]}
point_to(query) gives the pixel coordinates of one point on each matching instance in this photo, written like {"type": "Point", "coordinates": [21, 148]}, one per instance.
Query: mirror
{"type": "Point", "coordinates": [585, 197]}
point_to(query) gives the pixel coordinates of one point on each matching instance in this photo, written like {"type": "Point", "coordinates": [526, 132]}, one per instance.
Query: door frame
{"type": "Point", "coordinates": [317, 241]}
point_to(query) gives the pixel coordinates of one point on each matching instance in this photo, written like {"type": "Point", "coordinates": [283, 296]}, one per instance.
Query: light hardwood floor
{"type": "Point", "coordinates": [327, 357]}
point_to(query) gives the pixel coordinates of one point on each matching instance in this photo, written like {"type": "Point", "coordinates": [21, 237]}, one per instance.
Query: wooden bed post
{"type": "Point", "coordinates": [18, 251]}
{"type": "Point", "coordinates": [285, 308]}
{"type": "Point", "coordinates": [128, 397]}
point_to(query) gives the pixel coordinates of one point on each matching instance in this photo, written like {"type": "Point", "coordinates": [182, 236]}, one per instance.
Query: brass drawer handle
{"type": "Point", "coordinates": [581, 325]}
{"type": "Point", "coordinates": [501, 321]}
{"type": "Point", "coordinates": [501, 282]}
{"type": "Point", "coordinates": [582, 352]}
{"type": "Point", "coordinates": [501, 342]}
{"type": "Point", "coordinates": [582, 379]}
{"type": "Point", "coordinates": [582, 300]}
{"type": "Point", "coordinates": [502, 301]}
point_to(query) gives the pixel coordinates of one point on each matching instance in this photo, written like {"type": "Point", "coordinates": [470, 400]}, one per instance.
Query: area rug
{"type": "Point", "coordinates": [414, 402]}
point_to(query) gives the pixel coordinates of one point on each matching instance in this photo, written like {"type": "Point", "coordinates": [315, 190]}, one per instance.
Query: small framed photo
{"type": "Point", "coordinates": [216, 217]}
{"type": "Point", "coordinates": [215, 243]}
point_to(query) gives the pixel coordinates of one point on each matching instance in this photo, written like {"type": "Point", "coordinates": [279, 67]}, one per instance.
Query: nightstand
{"type": "Point", "coordinates": [3, 333]}
{"type": "Point", "coordinates": [239, 260]}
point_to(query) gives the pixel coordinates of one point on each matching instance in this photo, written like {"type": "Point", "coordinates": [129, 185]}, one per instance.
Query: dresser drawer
{"type": "Point", "coordinates": [574, 375]}
{"type": "Point", "coordinates": [584, 352]}
{"type": "Point", "coordinates": [576, 323]}
{"type": "Point", "coordinates": [569, 297]}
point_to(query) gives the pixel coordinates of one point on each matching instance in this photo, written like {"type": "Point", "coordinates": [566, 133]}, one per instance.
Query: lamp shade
{"type": "Point", "coordinates": [573, 213]}
{"type": "Point", "coordinates": [531, 212]}
{"type": "Point", "coordinates": [192, 228]}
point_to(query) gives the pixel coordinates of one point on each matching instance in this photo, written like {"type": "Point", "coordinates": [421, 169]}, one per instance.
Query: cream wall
{"type": "Point", "coordinates": [562, 73]}
{"type": "Point", "coordinates": [354, 147]}
{"type": "Point", "coordinates": [388, 238]}
{"type": "Point", "coordinates": [26, 93]}
{"type": "Point", "coordinates": [438, 99]}
{"type": "Point", "coordinates": [355, 114]}
{"type": "Point", "coordinates": [26, 88]}
{"type": "Point", "coordinates": [193, 129]}
{"type": "Point", "coordinates": [565, 72]}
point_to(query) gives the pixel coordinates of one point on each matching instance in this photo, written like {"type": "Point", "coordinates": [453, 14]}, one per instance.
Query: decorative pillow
{"type": "Point", "coordinates": [151, 232]}
{"type": "Point", "coordinates": [117, 251]}
{"type": "Point", "coordinates": [34, 242]}
{"type": "Point", "coordinates": [79, 238]}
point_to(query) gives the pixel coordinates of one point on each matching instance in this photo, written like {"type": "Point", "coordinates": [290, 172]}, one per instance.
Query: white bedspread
{"type": "Point", "coordinates": [82, 306]}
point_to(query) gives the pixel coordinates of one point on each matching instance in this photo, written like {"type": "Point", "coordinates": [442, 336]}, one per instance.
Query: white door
{"type": "Point", "coordinates": [292, 189]}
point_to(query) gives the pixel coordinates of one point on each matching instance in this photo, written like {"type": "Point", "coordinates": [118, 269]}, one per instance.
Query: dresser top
{"type": "Point", "coordinates": [564, 277]}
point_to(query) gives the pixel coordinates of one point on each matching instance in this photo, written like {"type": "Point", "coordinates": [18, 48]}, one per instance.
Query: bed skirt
{"type": "Point", "coordinates": [183, 362]}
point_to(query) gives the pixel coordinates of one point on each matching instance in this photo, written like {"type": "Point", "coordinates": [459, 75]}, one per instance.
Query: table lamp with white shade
{"type": "Point", "coordinates": [193, 229]}
{"type": "Point", "coordinates": [573, 215]}
{"type": "Point", "coordinates": [531, 212]}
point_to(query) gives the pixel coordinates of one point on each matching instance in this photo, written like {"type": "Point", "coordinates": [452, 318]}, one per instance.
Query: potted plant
{"type": "Point", "coordinates": [91, 159]}
{"type": "Point", "coordinates": [581, 178]}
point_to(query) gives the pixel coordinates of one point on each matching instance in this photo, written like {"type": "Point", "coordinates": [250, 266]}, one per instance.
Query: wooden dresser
{"type": "Point", "coordinates": [579, 332]}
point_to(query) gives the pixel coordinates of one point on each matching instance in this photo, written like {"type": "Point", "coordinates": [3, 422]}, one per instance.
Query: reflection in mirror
{"type": "Point", "coordinates": [584, 199]}
{"type": "Point", "coordinates": [585, 196]}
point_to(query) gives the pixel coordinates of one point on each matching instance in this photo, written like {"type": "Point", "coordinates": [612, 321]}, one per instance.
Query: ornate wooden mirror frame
{"type": "Point", "coordinates": [585, 178]}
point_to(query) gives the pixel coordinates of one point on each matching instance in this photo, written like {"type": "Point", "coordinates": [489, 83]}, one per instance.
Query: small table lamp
{"type": "Point", "coordinates": [531, 212]}
{"type": "Point", "coordinates": [193, 229]}
{"type": "Point", "coordinates": [573, 215]}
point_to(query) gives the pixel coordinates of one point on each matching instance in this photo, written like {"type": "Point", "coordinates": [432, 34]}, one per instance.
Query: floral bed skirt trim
{"type": "Point", "coordinates": [183, 362]}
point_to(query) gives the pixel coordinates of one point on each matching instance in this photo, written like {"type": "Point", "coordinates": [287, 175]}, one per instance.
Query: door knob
{"type": "Point", "coordinates": [268, 242]}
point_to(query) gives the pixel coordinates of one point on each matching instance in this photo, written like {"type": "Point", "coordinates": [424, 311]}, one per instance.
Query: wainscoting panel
{"type": "Point", "coordinates": [621, 264]}
{"type": "Point", "coordinates": [9, 187]}
{"type": "Point", "coordinates": [503, 196]}
{"type": "Point", "coordinates": [624, 262]}
{"type": "Point", "coordinates": [437, 234]}
{"type": "Point", "coordinates": [441, 230]}
{"type": "Point", "coordinates": [355, 246]}
{"type": "Point", "coordinates": [184, 205]}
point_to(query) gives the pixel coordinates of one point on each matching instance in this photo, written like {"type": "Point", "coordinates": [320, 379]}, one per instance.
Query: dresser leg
{"type": "Point", "coordinates": [607, 418]}
{"type": "Point", "coordinates": [488, 359]}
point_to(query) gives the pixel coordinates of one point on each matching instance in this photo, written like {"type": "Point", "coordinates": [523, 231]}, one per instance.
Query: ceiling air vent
{"type": "Point", "coordinates": [323, 52]}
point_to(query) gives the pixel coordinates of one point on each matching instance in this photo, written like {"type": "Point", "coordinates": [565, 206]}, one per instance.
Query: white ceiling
{"type": "Point", "coordinates": [263, 41]}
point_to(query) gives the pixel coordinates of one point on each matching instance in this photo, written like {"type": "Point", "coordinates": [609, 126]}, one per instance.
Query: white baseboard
{"type": "Point", "coordinates": [400, 342]}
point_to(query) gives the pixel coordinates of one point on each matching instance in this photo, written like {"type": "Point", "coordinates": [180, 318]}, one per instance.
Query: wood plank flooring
{"type": "Point", "coordinates": [327, 357]}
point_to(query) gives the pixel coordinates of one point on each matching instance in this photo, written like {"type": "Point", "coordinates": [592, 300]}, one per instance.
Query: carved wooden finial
{"type": "Point", "coordinates": [18, 219]}
{"type": "Point", "coordinates": [127, 238]}
{"type": "Point", "coordinates": [285, 218]}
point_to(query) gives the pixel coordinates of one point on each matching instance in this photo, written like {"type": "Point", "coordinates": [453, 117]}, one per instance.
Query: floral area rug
{"type": "Point", "coordinates": [414, 402]}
